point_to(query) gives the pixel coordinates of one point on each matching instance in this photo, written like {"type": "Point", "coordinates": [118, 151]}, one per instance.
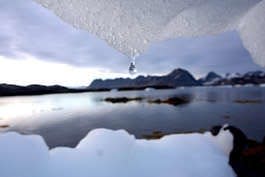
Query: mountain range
{"type": "Point", "coordinates": [253, 77]}
{"type": "Point", "coordinates": [176, 78]}
{"type": "Point", "coordinates": [14, 90]}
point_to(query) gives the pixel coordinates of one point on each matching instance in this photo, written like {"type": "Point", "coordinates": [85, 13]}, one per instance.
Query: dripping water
{"type": "Point", "coordinates": [132, 66]}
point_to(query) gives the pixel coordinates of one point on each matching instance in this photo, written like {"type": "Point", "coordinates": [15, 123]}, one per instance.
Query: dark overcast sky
{"type": "Point", "coordinates": [28, 28]}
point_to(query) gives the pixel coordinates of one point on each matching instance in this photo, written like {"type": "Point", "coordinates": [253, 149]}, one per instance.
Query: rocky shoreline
{"type": "Point", "coordinates": [247, 157]}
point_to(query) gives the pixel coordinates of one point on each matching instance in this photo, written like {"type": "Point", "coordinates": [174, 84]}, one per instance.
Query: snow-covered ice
{"type": "Point", "coordinates": [108, 153]}
{"type": "Point", "coordinates": [131, 25]}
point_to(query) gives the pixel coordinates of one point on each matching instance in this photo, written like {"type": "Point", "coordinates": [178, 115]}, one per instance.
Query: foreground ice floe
{"type": "Point", "coordinates": [131, 25]}
{"type": "Point", "coordinates": [108, 153]}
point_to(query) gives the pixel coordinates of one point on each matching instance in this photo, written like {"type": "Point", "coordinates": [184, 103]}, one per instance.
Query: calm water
{"type": "Point", "coordinates": [64, 119]}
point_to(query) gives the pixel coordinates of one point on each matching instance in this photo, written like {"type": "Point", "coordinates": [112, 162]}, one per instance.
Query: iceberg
{"type": "Point", "coordinates": [109, 153]}
{"type": "Point", "coordinates": [130, 26]}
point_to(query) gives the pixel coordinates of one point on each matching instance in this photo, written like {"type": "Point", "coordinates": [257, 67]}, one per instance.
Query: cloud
{"type": "Point", "coordinates": [221, 53]}
{"type": "Point", "coordinates": [32, 71]}
{"type": "Point", "coordinates": [31, 29]}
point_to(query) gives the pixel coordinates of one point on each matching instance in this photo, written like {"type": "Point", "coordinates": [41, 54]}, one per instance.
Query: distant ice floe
{"type": "Point", "coordinates": [108, 153]}
{"type": "Point", "coordinates": [131, 25]}
{"type": "Point", "coordinates": [148, 89]}
{"type": "Point", "coordinates": [114, 90]}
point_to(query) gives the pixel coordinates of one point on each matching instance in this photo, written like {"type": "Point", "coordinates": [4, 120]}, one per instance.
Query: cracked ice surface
{"type": "Point", "coordinates": [131, 25]}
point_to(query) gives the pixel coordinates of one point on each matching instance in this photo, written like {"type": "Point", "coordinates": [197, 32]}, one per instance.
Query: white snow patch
{"type": "Point", "coordinates": [224, 140]}
{"type": "Point", "coordinates": [233, 75]}
{"type": "Point", "coordinates": [131, 25]}
{"type": "Point", "coordinates": [213, 81]}
{"type": "Point", "coordinates": [108, 153]}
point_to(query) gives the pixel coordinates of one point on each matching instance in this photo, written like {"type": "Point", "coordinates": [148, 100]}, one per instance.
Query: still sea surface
{"type": "Point", "coordinates": [64, 119]}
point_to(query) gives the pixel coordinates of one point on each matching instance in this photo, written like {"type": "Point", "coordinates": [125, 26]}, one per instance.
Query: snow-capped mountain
{"type": "Point", "coordinates": [210, 78]}
{"type": "Point", "coordinates": [252, 77]}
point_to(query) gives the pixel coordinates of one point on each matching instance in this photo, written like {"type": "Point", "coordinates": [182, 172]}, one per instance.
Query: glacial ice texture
{"type": "Point", "coordinates": [108, 153]}
{"type": "Point", "coordinates": [131, 25]}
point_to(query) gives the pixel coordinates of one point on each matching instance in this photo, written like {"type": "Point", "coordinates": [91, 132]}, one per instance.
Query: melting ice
{"type": "Point", "coordinates": [132, 67]}
{"type": "Point", "coordinates": [131, 25]}
{"type": "Point", "coordinates": [108, 153]}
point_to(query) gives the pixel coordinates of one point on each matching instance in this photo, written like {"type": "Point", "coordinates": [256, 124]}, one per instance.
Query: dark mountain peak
{"type": "Point", "coordinates": [178, 71]}
{"type": "Point", "coordinates": [212, 75]}
{"type": "Point", "coordinates": [140, 77]}
{"type": "Point", "coordinates": [210, 78]}
{"type": "Point", "coordinates": [181, 75]}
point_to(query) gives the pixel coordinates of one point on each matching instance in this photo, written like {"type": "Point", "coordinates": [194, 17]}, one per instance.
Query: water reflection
{"type": "Point", "coordinates": [64, 119]}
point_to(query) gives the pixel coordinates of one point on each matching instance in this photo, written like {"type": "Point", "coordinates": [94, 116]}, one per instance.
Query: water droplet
{"type": "Point", "coordinates": [132, 67]}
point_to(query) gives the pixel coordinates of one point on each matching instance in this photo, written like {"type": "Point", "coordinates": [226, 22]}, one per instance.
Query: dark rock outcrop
{"type": "Point", "coordinates": [173, 100]}
{"type": "Point", "coordinates": [247, 157]}
{"type": "Point", "coordinates": [176, 100]}
{"type": "Point", "coordinates": [122, 99]}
